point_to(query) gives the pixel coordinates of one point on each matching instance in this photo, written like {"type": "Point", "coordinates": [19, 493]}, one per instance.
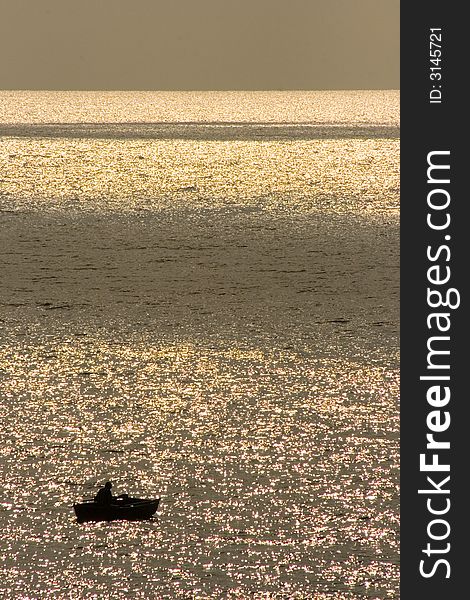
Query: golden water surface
{"type": "Point", "coordinates": [199, 301]}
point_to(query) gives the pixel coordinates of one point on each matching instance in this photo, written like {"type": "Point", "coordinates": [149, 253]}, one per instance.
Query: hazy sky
{"type": "Point", "coordinates": [199, 44]}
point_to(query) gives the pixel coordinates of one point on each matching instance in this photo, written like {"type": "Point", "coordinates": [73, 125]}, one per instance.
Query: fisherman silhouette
{"type": "Point", "coordinates": [104, 495]}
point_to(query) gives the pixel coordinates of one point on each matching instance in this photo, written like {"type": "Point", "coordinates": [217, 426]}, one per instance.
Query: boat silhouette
{"type": "Point", "coordinates": [121, 508]}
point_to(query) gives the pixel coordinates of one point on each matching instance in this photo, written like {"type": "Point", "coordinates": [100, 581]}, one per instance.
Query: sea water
{"type": "Point", "coordinates": [199, 301]}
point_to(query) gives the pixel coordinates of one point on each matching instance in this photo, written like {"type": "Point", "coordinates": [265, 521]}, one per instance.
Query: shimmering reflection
{"type": "Point", "coordinates": [335, 175]}
{"type": "Point", "coordinates": [291, 172]}
{"type": "Point", "coordinates": [354, 107]}
{"type": "Point", "coordinates": [278, 471]}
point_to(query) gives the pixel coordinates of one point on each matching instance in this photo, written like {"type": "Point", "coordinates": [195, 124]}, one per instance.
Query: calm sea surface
{"type": "Point", "coordinates": [199, 301]}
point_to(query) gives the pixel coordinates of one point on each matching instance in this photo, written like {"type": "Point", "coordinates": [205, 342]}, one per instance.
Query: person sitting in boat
{"type": "Point", "coordinates": [104, 495]}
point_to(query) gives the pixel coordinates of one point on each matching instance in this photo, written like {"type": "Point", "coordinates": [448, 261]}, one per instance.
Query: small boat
{"type": "Point", "coordinates": [129, 509]}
